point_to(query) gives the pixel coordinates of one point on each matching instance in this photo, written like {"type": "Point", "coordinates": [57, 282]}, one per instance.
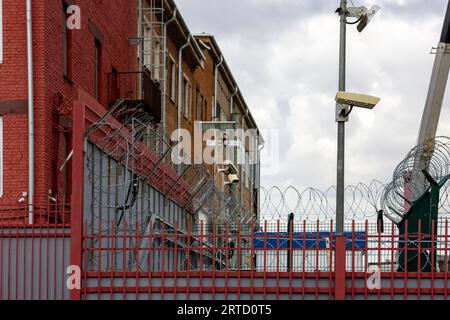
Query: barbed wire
{"type": "Point", "coordinates": [361, 202]}
{"type": "Point", "coordinates": [409, 182]}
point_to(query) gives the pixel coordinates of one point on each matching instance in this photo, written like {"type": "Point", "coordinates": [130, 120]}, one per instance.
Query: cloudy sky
{"type": "Point", "coordinates": [284, 55]}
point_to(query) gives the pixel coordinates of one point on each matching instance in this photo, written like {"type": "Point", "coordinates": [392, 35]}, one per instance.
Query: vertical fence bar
{"type": "Point", "coordinates": [85, 253]}
{"type": "Point", "coordinates": [124, 260]}
{"type": "Point", "coordinates": [252, 261]}
{"type": "Point", "coordinates": [188, 258]}
{"type": "Point", "coordinates": [433, 250]}
{"type": "Point", "coordinates": [265, 261]}
{"type": "Point", "coordinates": [214, 253]}
{"type": "Point", "coordinates": [24, 279]}
{"type": "Point", "coordinates": [419, 254]}
{"type": "Point", "coordinates": [331, 251]}
{"type": "Point", "coordinates": [16, 269]}
{"type": "Point", "coordinates": [278, 249]}
{"type": "Point", "coordinates": [175, 262]}
{"type": "Point", "coordinates": [353, 260]}
{"type": "Point", "coordinates": [366, 261]}
{"type": "Point", "coordinates": [9, 265]}
{"type": "Point", "coordinates": [405, 262]}
{"type": "Point", "coordinates": [291, 260]}
{"type": "Point", "coordinates": [227, 254]}
{"type": "Point", "coordinates": [55, 263]}
{"type": "Point", "coordinates": [63, 239]}
{"type": "Point", "coordinates": [200, 278]}
{"type": "Point", "coordinates": [47, 259]}
{"type": "Point", "coordinates": [99, 260]}
{"type": "Point", "coordinates": [137, 269]}
{"type": "Point", "coordinates": [392, 260]}
{"type": "Point", "coordinates": [113, 260]}
{"type": "Point", "coordinates": [317, 261]}
{"type": "Point", "coordinates": [303, 252]}
{"type": "Point", "coordinates": [446, 261]}
{"type": "Point", "coordinates": [163, 260]}
{"type": "Point", "coordinates": [239, 259]}
{"type": "Point", "coordinates": [76, 218]}
{"type": "Point", "coordinates": [2, 258]}
{"type": "Point", "coordinates": [379, 259]}
{"type": "Point", "coordinates": [40, 263]}
{"type": "Point", "coordinates": [150, 260]}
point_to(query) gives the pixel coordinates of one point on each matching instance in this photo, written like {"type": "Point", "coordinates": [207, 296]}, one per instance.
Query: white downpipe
{"type": "Point", "coordinates": [180, 81]}
{"type": "Point", "coordinates": [30, 114]}
{"type": "Point", "coordinates": [216, 85]}
{"type": "Point", "coordinates": [236, 89]}
{"type": "Point", "coordinates": [164, 98]}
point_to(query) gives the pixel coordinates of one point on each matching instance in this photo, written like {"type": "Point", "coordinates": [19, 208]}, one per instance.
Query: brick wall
{"type": "Point", "coordinates": [54, 95]}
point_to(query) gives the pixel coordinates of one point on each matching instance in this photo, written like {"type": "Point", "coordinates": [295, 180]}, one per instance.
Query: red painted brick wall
{"type": "Point", "coordinates": [116, 19]}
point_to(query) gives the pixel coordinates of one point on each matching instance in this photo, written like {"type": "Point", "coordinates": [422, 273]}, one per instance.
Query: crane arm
{"type": "Point", "coordinates": [438, 83]}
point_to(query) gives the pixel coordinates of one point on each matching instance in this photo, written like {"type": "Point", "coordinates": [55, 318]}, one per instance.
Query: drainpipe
{"type": "Point", "coordinates": [216, 84]}
{"type": "Point", "coordinates": [234, 117]}
{"type": "Point", "coordinates": [247, 111]}
{"type": "Point", "coordinates": [30, 114]}
{"type": "Point", "coordinates": [236, 89]}
{"type": "Point", "coordinates": [164, 98]}
{"type": "Point", "coordinates": [258, 172]}
{"type": "Point", "coordinates": [180, 81]}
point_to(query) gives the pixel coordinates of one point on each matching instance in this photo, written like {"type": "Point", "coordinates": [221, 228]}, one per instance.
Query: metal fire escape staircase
{"type": "Point", "coordinates": [153, 49]}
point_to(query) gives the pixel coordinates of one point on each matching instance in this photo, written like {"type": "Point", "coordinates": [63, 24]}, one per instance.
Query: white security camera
{"type": "Point", "coordinates": [229, 168]}
{"type": "Point", "coordinates": [232, 179]}
{"type": "Point", "coordinates": [363, 14]}
{"type": "Point", "coordinates": [366, 18]}
{"type": "Point", "coordinates": [23, 197]}
{"type": "Point", "coordinates": [357, 100]}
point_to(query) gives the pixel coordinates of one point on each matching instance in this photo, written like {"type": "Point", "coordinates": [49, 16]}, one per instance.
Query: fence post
{"type": "Point", "coordinates": [76, 219]}
{"type": "Point", "coordinates": [339, 271]}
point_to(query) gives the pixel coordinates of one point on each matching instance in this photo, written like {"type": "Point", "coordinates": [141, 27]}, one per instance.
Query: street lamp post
{"type": "Point", "coordinates": [344, 105]}
{"type": "Point", "coordinates": [340, 185]}
{"type": "Point", "coordinates": [340, 238]}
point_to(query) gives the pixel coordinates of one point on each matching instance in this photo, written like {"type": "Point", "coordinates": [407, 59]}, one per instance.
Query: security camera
{"type": "Point", "coordinates": [366, 18]}
{"type": "Point", "coordinates": [229, 168]}
{"type": "Point", "coordinates": [357, 100]}
{"type": "Point", "coordinates": [23, 197]}
{"type": "Point", "coordinates": [363, 14]}
{"type": "Point", "coordinates": [232, 179]}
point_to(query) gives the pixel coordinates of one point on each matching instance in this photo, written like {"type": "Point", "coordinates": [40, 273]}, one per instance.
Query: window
{"type": "Point", "coordinates": [187, 98]}
{"type": "Point", "coordinates": [198, 105]}
{"type": "Point", "coordinates": [98, 69]}
{"type": "Point", "coordinates": [147, 47]}
{"type": "Point", "coordinates": [67, 44]}
{"type": "Point", "coordinates": [247, 170]}
{"type": "Point", "coordinates": [173, 79]}
{"type": "Point", "coordinates": [1, 33]}
{"type": "Point", "coordinates": [1, 153]}
{"type": "Point", "coordinates": [218, 111]}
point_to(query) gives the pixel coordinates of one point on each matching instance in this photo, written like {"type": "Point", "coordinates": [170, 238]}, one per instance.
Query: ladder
{"type": "Point", "coordinates": [153, 54]}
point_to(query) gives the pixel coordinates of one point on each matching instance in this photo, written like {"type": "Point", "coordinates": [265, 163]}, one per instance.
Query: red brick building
{"type": "Point", "coordinates": [116, 52]}
{"type": "Point", "coordinates": [66, 63]}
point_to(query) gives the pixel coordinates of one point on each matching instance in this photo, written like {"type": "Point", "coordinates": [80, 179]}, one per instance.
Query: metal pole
{"type": "Point", "coordinates": [340, 250]}
{"type": "Point", "coordinates": [30, 113]}
{"type": "Point", "coordinates": [341, 126]}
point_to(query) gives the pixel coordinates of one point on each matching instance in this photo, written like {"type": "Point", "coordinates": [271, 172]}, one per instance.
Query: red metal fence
{"type": "Point", "coordinates": [157, 260]}
{"type": "Point", "coordinates": [259, 262]}
{"type": "Point", "coordinates": [34, 258]}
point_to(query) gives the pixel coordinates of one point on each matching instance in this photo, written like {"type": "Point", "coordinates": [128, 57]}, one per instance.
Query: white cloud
{"type": "Point", "coordinates": [287, 68]}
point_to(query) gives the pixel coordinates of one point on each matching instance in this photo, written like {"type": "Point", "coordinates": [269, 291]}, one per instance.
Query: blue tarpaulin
{"type": "Point", "coordinates": [307, 240]}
